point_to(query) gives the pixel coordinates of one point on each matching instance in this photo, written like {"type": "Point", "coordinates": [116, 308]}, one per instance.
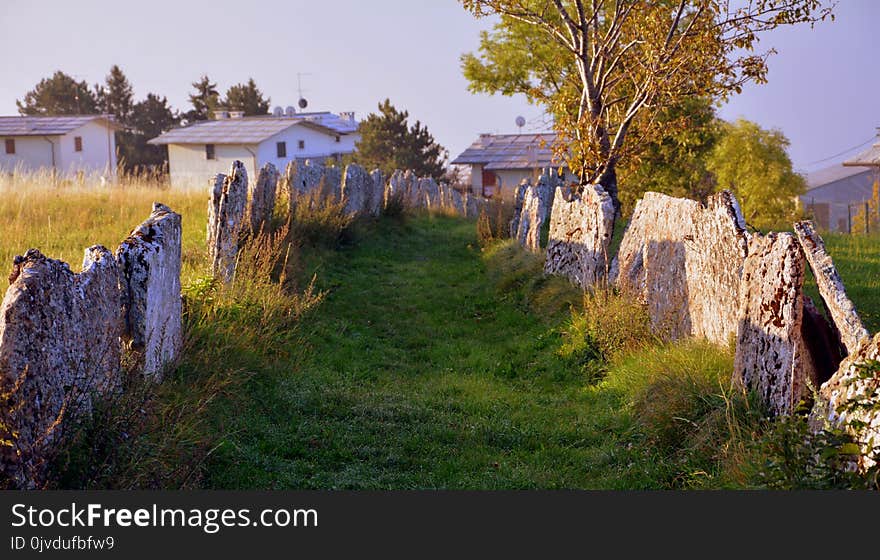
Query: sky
{"type": "Point", "coordinates": [822, 91]}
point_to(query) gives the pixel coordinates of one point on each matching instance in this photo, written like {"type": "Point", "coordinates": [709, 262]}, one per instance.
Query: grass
{"type": "Point", "coordinates": [407, 352]}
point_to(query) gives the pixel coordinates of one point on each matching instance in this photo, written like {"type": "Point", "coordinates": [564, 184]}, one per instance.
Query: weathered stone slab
{"type": "Point", "coordinates": [356, 188]}
{"type": "Point", "coordinates": [457, 202]}
{"type": "Point", "coordinates": [395, 189]}
{"type": "Point", "coordinates": [714, 256]}
{"type": "Point", "coordinates": [59, 348]}
{"type": "Point", "coordinates": [580, 232]}
{"type": "Point", "coordinates": [149, 270]}
{"type": "Point", "coordinates": [684, 260]}
{"type": "Point", "coordinates": [518, 197]}
{"type": "Point", "coordinates": [851, 400]}
{"type": "Point", "coordinates": [431, 193]}
{"type": "Point", "coordinates": [842, 311]}
{"type": "Point", "coordinates": [473, 204]}
{"type": "Point", "coordinates": [332, 182]}
{"type": "Point", "coordinates": [377, 193]}
{"type": "Point", "coordinates": [226, 220]}
{"type": "Point", "coordinates": [261, 203]}
{"type": "Point", "coordinates": [412, 186]}
{"type": "Point", "coordinates": [528, 233]}
{"type": "Point", "coordinates": [771, 355]}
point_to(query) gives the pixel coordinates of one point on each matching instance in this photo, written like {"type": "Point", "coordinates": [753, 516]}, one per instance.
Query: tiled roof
{"type": "Point", "coordinates": [510, 151]}
{"type": "Point", "coordinates": [252, 130]}
{"type": "Point", "coordinates": [832, 174]}
{"type": "Point", "coordinates": [48, 126]}
{"type": "Point", "coordinates": [868, 158]}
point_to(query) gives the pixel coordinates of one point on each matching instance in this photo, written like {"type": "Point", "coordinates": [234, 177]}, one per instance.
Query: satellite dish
{"type": "Point", "coordinates": [278, 111]}
{"type": "Point", "coordinates": [520, 122]}
{"type": "Point", "coordinates": [302, 103]}
{"type": "Point", "coordinates": [290, 111]}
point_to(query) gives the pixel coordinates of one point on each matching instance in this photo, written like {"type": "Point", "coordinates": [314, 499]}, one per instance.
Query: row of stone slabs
{"type": "Point", "coordinates": [701, 274]}
{"type": "Point", "coordinates": [64, 336]}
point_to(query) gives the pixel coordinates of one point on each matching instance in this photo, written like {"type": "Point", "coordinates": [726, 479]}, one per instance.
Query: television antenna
{"type": "Point", "coordinates": [520, 122]}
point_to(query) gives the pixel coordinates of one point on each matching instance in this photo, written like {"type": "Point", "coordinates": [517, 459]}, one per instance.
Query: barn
{"type": "Point", "coordinates": [206, 148]}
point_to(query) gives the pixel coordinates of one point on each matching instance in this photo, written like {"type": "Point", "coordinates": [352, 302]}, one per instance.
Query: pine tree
{"type": "Point", "coordinates": [59, 95]}
{"type": "Point", "coordinates": [116, 96]}
{"type": "Point", "coordinates": [204, 100]}
{"type": "Point", "coordinates": [246, 97]}
{"type": "Point", "coordinates": [388, 142]}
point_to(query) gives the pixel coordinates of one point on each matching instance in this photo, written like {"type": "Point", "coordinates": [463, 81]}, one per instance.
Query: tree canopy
{"type": "Point", "coordinates": [754, 164]}
{"type": "Point", "coordinates": [389, 142]}
{"type": "Point", "coordinates": [246, 97]}
{"type": "Point", "coordinates": [609, 71]}
{"type": "Point", "coordinates": [59, 95]}
{"type": "Point", "coordinates": [204, 100]}
{"type": "Point", "coordinates": [116, 96]}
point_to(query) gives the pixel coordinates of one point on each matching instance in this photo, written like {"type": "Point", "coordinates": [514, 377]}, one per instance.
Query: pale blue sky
{"type": "Point", "coordinates": [823, 90]}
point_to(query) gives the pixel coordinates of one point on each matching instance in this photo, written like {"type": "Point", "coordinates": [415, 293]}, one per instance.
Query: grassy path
{"type": "Point", "coordinates": [415, 373]}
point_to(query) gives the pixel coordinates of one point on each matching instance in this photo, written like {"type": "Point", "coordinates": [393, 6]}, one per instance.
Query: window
{"type": "Point", "coordinates": [302, 144]}
{"type": "Point", "coordinates": [77, 143]}
{"type": "Point", "coordinates": [209, 151]}
{"type": "Point", "coordinates": [337, 138]}
{"type": "Point", "coordinates": [281, 149]}
{"type": "Point", "coordinates": [10, 145]}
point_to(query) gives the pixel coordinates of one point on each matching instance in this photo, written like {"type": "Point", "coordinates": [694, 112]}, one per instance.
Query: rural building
{"type": "Point", "coordinates": [65, 145]}
{"type": "Point", "coordinates": [206, 148]}
{"type": "Point", "coordinates": [837, 193]}
{"type": "Point", "coordinates": [499, 162]}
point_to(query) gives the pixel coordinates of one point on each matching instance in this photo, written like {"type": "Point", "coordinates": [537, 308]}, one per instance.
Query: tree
{"type": "Point", "coordinates": [388, 142]}
{"type": "Point", "coordinates": [617, 66]}
{"type": "Point", "coordinates": [248, 98]}
{"type": "Point", "coordinates": [58, 95]}
{"type": "Point", "coordinates": [115, 97]}
{"type": "Point", "coordinates": [149, 118]}
{"type": "Point", "coordinates": [754, 164]}
{"type": "Point", "coordinates": [204, 100]}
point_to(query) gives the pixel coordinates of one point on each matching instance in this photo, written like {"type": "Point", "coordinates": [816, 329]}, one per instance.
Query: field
{"type": "Point", "coordinates": [421, 359]}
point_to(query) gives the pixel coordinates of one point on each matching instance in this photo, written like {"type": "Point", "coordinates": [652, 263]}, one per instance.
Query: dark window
{"type": "Point", "coordinates": [10, 145]}
{"type": "Point", "coordinates": [302, 144]}
{"type": "Point", "coordinates": [337, 138]}
{"type": "Point", "coordinates": [209, 151]}
{"type": "Point", "coordinates": [281, 149]}
{"type": "Point", "coordinates": [77, 143]}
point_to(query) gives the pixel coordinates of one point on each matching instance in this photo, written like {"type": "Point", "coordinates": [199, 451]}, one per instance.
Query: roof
{"type": "Point", "coordinates": [868, 158]}
{"type": "Point", "coordinates": [253, 130]}
{"type": "Point", "coordinates": [510, 151]}
{"type": "Point", "coordinates": [832, 174]}
{"type": "Point", "coordinates": [50, 126]}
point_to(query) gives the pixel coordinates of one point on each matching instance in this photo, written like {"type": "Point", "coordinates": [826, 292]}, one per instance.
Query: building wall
{"type": "Point", "coordinates": [829, 204]}
{"type": "Point", "coordinates": [477, 179]}
{"type": "Point", "coordinates": [188, 166]}
{"type": "Point", "coordinates": [98, 153]}
{"type": "Point", "coordinates": [318, 146]}
{"type": "Point", "coordinates": [34, 153]}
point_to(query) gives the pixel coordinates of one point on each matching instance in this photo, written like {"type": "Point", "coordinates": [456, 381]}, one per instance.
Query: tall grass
{"type": "Point", "coordinates": [62, 221]}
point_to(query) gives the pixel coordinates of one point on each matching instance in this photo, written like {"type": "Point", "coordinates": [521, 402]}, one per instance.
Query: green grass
{"type": "Point", "coordinates": [415, 372]}
{"type": "Point", "coordinates": [857, 258]}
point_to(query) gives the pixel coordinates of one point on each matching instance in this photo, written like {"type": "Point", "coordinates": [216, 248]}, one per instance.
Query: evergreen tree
{"type": "Point", "coordinates": [149, 118]}
{"type": "Point", "coordinates": [115, 96]}
{"type": "Point", "coordinates": [59, 95]}
{"type": "Point", "coordinates": [246, 97]}
{"type": "Point", "coordinates": [204, 100]}
{"type": "Point", "coordinates": [388, 142]}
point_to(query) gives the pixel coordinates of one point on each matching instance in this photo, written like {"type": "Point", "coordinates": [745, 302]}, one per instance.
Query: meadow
{"type": "Point", "coordinates": [404, 352]}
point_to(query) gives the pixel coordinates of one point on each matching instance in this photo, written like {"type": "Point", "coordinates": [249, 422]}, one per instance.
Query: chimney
{"type": "Point", "coordinates": [347, 116]}
{"type": "Point", "coordinates": [220, 114]}
{"type": "Point", "coordinates": [236, 114]}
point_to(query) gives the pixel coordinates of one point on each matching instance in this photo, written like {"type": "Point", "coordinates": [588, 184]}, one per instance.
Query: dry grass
{"type": "Point", "coordinates": [63, 220]}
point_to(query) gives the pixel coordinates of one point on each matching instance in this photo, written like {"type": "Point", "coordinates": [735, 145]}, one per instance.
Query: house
{"type": "Point", "coordinates": [64, 145]}
{"type": "Point", "coordinates": [499, 162]}
{"type": "Point", "coordinates": [837, 193]}
{"type": "Point", "coordinates": [203, 149]}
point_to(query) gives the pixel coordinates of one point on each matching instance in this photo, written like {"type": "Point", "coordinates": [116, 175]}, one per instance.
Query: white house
{"type": "Point", "coordinates": [66, 145]}
{"type": "Point", "coordinates": [203, 149]}
{"type": "Point", "coordinates": [499, 162]}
